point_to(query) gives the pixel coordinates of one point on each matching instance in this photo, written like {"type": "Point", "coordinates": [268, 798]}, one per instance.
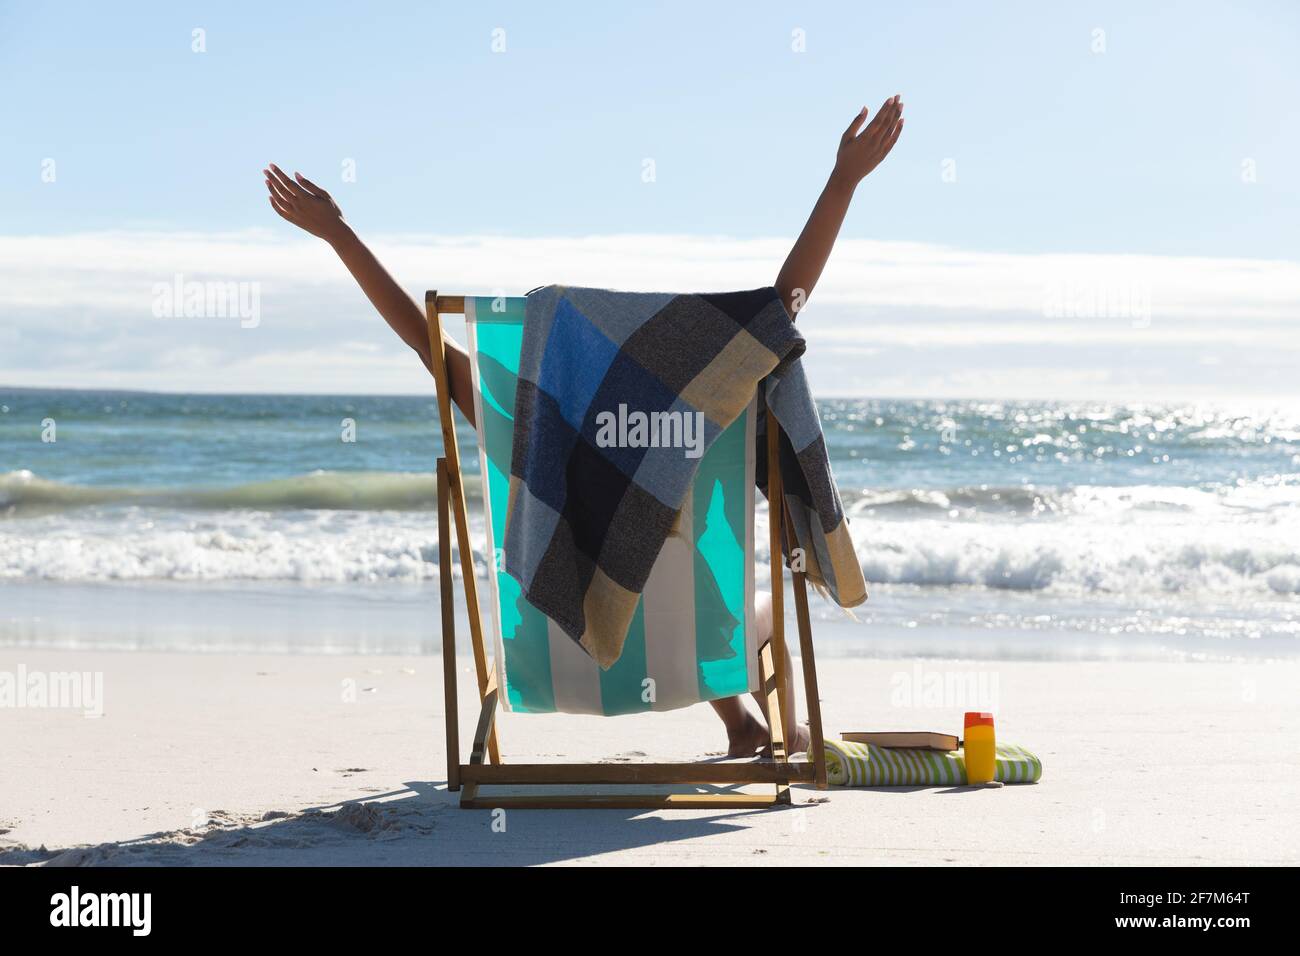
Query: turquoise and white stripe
{"type": "Point", "coordinates": [852, 764]}
{"type": "Point", "coordinates": [693, 636]}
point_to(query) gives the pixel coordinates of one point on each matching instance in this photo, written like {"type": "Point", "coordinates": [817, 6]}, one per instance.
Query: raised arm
{"type": "Point", "coordinates": [861, 151]}
{"type": "Point", "coordinates": [312, 209]}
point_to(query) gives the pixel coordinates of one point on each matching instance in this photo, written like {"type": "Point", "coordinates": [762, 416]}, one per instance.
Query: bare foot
{"type": "Point", "coordinates": [748, 740]}
{"type": "Point", "coordinates": [802, 741]}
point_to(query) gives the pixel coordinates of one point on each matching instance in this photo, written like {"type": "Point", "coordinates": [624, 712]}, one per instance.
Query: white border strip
{"type": "Point", "coordinates": [751, 625]}
{"type": "Point", "coordinates": [493, 617]}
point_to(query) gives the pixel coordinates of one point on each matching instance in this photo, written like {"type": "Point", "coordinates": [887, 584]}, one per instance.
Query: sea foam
{"type": "Point", "coordinates": [1238, 540]}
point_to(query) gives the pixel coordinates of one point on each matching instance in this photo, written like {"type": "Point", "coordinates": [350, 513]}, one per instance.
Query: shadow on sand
{"type": "Point", "coordinates": [420, 825]}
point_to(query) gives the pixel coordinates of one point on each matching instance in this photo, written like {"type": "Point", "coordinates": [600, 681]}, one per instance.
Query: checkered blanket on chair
{"type": "Point", "coordinates": [619, 394]}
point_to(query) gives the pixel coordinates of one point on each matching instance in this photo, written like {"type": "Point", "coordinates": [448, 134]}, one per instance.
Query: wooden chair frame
{"type": "Point", "coordinates": [485, 767]}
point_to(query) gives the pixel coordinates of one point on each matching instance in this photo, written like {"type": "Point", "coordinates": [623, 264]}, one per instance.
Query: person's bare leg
{"type": "Point", "coordinates": [746, 734]}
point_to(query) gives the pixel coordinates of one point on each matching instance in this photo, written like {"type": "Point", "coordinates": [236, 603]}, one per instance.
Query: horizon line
{"type": "Point", "coordinates": [1278, 402]}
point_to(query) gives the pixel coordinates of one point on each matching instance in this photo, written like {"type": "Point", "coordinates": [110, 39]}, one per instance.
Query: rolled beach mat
{"type": "Point", "coordinates": [852, 764]}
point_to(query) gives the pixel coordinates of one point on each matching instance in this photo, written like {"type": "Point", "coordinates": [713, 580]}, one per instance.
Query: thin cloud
{"type": "Point", "coordinates": [78, 309]}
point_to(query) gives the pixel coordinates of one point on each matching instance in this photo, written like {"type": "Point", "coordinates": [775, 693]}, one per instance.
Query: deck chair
{"type": "Point", "coordinates": [693, 637]}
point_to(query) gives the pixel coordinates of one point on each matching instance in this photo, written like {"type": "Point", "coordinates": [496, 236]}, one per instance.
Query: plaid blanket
{"type": "Point", "coordinates": [619, 394]}
{"type": "Point", "coordinates": [819, 529]}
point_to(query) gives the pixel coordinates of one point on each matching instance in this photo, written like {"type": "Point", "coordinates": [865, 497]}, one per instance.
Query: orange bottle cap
{"type": "Point", "coordinates": [975, 718]}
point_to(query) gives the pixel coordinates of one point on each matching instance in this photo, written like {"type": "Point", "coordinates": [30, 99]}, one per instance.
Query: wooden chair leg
{"type": "Point", "coordinates": [817, 740]}
{"type": "Point", "coordinates": [456, 489]}
{"type": "Point", "coordinates": [772, 656]}
{"type": "Point", "coordinates": [451, 716]}
{"type": "Point", "coordinates": [486, 721]}
{"type": "Point", "coordinates": [775, 512]}
{"type": "Point", "coordinates": [775, 715]}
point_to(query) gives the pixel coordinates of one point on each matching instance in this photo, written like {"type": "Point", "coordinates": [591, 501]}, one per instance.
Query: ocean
{"type": "Point", "coordinates": [993, 529]}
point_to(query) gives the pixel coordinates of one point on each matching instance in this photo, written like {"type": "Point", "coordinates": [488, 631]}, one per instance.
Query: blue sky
{"type": "Point", "coordinates": [1058, 150]}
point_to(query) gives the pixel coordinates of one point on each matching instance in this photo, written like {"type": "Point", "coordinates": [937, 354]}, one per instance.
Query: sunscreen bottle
{"type": "Point", "coordinates": [981, 756]}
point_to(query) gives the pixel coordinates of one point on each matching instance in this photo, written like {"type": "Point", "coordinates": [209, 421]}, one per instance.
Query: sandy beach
{"type": "Point", "coordinates": [338, 760]}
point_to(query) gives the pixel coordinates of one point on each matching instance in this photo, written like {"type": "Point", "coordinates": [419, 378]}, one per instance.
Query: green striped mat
{"type": "Point", "coordinates": [850, 764]}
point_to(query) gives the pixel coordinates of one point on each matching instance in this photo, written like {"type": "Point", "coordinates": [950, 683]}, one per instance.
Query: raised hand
{"type": "Point", "coordinates": [303, 203]}
{"type": "Point", "coordinates": [862, 150]}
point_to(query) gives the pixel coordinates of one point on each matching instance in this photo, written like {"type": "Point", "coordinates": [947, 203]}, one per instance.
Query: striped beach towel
{"type": "Point", "coordinates": [693, 636]}
{"type": "Point", "coordinates": [851, 764]}
{"type": "Point", "coordinates": [619, 394]}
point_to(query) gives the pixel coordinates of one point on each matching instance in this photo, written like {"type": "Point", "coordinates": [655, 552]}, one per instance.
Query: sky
{"type": "Point", "coordinates": [1095, 201]}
